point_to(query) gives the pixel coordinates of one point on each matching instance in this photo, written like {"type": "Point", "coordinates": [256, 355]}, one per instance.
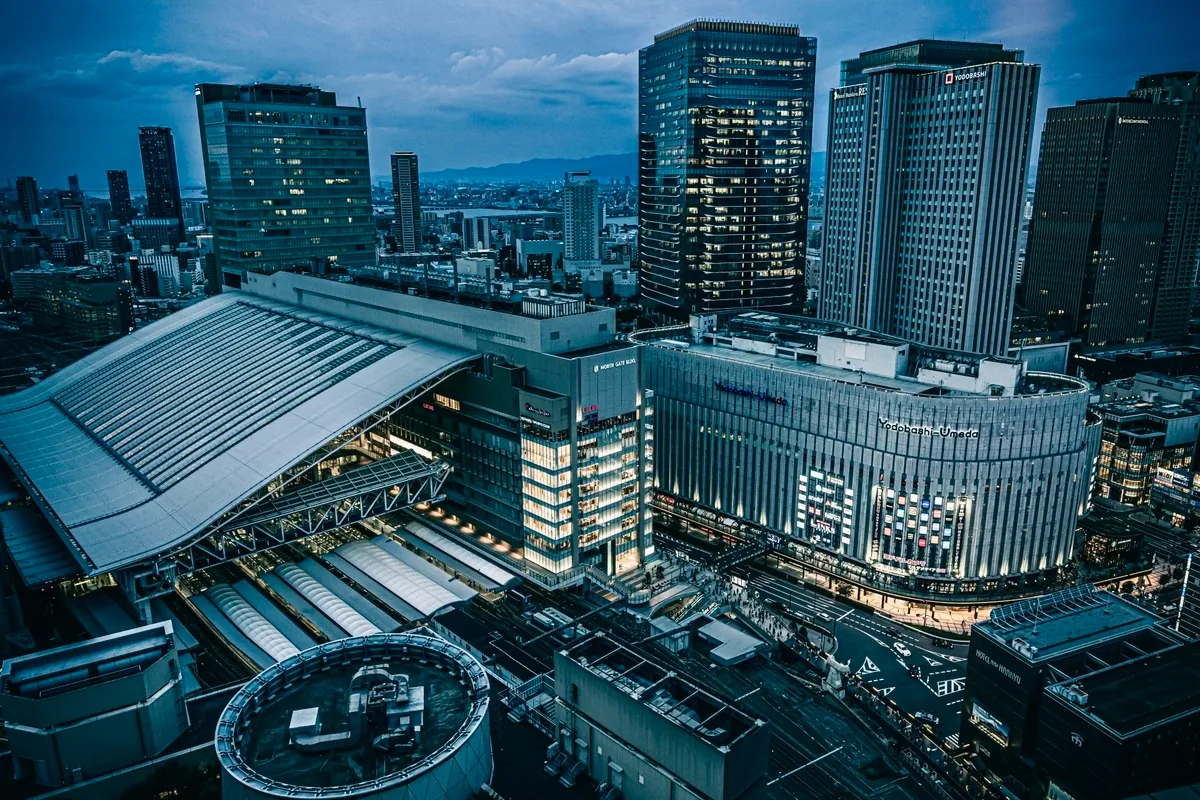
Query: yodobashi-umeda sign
{"type": "Point", "coordinates": [929, 430]}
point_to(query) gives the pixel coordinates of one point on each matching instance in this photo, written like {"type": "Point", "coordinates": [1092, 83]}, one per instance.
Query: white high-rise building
{"type": "Point", "coordinates": [581, 221]}
{"type": "Point", "coordinates": [925, 186]}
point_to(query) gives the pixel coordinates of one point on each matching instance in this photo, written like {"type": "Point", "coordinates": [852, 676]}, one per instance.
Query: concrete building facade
{"type": "Point", "coordinates": [925, 180]}
{"type": "Point", "coordinates": [911, 468]}
{"type": "Point", "coordinates": [650, 734]}
{"type": "Point", "coordinates": [83, 710]}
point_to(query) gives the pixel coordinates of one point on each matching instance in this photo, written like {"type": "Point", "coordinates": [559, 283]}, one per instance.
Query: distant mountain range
{"type": "Point", "coordinates": [603, 168]}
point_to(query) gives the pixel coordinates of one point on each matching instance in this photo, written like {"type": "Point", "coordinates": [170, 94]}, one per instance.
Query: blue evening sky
{"type": "Point", "coordinates": [481, 82]}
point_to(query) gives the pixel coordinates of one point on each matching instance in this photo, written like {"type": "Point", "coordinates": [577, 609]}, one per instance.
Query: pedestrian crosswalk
{"type": "Point", "coordinates": [952, 741]}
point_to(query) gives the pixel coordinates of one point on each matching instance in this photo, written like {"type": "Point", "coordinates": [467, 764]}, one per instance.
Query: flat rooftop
{"type": "Point", "coordinates": [701, 714]}
{"type": "Point", "coordinates": [86, 663]}
{"type": "Point", "coordinates": [1143, 692]}
{"type": "Point", "coordinates": [795, 340]}
{"type": "Point", "coordinates": [1064, 622]}
{"type": "Point", "coordinates": [266, 748]}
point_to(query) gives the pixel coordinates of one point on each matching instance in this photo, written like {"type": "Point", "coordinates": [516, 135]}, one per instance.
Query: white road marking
{"type": "Point", "coordinates": [933, 662]}
{"type": "Point", "coordinates": [952, 686]}
{"type": "Point", "coordinates": [887, 690]}
{"type": "Point", "coordinates": [868, 667]}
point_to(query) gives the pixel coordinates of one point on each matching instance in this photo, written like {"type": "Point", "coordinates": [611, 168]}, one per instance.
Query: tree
{"type": "Point", "coordinates": [1127, 587]}
{"type": "Point", "coordinates": [844, 589]}
{"type": "Point", "coordinates": [1177, 573]}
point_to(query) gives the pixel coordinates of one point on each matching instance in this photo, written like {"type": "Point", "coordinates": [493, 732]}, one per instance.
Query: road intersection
{"type": "Point", "coordinates": [881, 651]}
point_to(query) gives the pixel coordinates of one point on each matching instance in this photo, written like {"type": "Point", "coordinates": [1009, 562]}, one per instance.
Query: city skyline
{"type": "Point", "coordinates": [481, 94]}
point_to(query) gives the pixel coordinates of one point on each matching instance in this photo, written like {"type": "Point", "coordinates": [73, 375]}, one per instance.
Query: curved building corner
{"type": "Point", "coordinates": [914, 470]}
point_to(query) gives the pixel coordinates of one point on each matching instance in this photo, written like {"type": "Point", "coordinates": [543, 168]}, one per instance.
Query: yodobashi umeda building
{"type": "Point", "coordinates": [904, 466]}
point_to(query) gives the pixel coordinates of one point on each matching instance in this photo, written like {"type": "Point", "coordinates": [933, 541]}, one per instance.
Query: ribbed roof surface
{"type": "Point", "coordinates": [135, 449]}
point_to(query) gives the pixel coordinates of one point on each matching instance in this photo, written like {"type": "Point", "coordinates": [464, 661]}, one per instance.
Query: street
{"type": "Point", "coordinates": [881, 651]}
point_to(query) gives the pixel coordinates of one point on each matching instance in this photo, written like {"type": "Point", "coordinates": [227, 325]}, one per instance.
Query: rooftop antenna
{"type": "Point", "coordinates": [360, 101]}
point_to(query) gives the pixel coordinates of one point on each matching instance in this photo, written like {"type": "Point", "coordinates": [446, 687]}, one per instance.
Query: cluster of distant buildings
{"type": "Point", "coordinates": [918, 433]}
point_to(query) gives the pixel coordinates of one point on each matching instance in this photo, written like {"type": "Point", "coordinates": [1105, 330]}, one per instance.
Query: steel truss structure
{"type": "Point", "coordinates": [289, 509]}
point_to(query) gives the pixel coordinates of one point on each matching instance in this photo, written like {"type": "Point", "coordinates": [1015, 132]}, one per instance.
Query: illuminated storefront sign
{"type": "Point", "coordinates": [857, 91]}
{"type": "Point", "coordinates": [614, 364]}
{"type": "Point", "coordinates": [532, 409]}
{"type": "Point", "coordinates": [955, 77]}
{"type": "Point", "coordinates": [745, 391]}
{"type": "Point", "coordinates": [929, 430]}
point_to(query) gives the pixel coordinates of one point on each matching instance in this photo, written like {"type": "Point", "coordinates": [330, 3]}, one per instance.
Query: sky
{"type": "Point", "coordinates": [481, 82]}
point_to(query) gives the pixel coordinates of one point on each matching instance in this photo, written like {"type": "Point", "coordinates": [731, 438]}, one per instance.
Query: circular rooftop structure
{"type": "Point", "coordinates": [390, 715]}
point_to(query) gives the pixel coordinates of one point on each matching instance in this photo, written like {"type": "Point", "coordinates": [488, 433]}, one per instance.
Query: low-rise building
{"type": "Point", "coordinates": [84, 710]}
{"type": "Point", "coordinates": [1113, 730]}
{"type": "Point", "coordinates": [1138, 437]}
{"type": "Point", "coordinates": [79, 303]}
{"type": "Point", "coordinates": [1025, 647]}
{"type": "Point", "coordinates": [649, 733]}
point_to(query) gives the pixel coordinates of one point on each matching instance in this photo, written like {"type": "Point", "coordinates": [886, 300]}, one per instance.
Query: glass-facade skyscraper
{"type": "Point", "coordinates": [161, 175]}
{"type": "Point", "coordinates": [1179, 256]}
{"type": "Point", "coordinates": [724, 141]}
{"type": "Point", "coordinates": [288, 177]}
{"type": "Point", "coordinates": [118, 195]}
{"type": "Point", "coordinates": [406, 197]}
{"type": "Point", "coordinates": [927, 153]}
{"type": "Point", "coordinates": [1095, 240]}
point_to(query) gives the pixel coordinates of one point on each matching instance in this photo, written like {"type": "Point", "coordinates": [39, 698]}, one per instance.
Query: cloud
{"type": "Point", "coordinates": [120, 73]}
{"type": "Point", "coordinates": [463, 63]}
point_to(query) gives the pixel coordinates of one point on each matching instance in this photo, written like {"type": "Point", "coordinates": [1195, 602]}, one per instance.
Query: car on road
{"type": "Point", "coordinates": [925, 716]}
{"type": "Point", "coordinates": [945, 644]}
{"type": "Point", "coordinates": [914, 671]}
{"type": "Point", "coordinates": [825, 616]}
{"type": "Point", "coordinates": [901, 649]}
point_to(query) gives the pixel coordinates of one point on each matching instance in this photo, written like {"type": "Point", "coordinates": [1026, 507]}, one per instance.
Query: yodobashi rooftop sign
{"type": "Point", "coordinates": [929, 430]}
{"type": "Point", "coordinates": [956, 77]}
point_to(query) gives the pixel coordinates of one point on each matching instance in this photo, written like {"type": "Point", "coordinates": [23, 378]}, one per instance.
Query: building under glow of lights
{"type": "Point", "coordinates": [724, 142]}
{"type": "Point", "coordinates": [903, 467]}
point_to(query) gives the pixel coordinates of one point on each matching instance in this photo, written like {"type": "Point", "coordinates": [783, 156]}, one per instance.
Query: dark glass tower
{"type": "Point", "coordinates": [925, 180]}
{"type": "Point", "coordinates": [406, 195]}
{"type": "Point", "coordinates": [118, 195]}
{"type": "Point", "coordinates": [161, 175]}
{"type": "Point", "coordinates": [1179, 256]}
{"type": "Point", "coordinates": [1096, 237]}
{"type": "Point", "coordinates": [29, 204]}
{"type": "Point", "coordinates": [289, 184]}
{"type": "Point", "coordinates": [724, 141]}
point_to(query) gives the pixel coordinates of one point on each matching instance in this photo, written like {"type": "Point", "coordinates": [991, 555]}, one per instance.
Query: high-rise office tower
{"type": "Point", "coordinates": [477, 233]}
{"type": "Point", "coordinates": [406, 195]}
{"type": "Point", "coordinates": [925, 177]}
{"type": "Point", "coordinates": [29, 205]}
{"type": "Point", "coordinates": [161, 174]}
{"type": "Point", "coordinates": [118, 195]}
{"type": "Point", "coordinates": [289, 181]}
{"type": "Point", "coordinates": [581, 221]}
{"type": "Point", "coordinates": [1179, 256]}
{"type": "Point", "coordinates": [73, 187]}
{"type": "Point", "coordinates": [75, 217]}
{"type": "Point", "coordinates": [724, 140]}
{"type": "Point", "coordinates": [1103, 193]}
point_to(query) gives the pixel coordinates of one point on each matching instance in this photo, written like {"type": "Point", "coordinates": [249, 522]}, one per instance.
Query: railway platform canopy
{"type": "Point", "coordinates": [190, 439]}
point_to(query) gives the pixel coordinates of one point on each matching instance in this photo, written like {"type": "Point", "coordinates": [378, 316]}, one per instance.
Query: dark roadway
{"type": "Point", "coordinates": [881, 651]}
